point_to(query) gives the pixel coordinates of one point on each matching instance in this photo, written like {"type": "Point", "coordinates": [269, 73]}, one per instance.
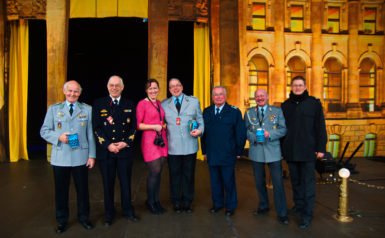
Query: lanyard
{"type": "Point", "coordinates": [156, 107]}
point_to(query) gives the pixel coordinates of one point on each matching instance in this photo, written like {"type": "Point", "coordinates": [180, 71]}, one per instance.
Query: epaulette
{"type": "Point", "coordinates": [82, 104]}
{"type": "Point", "coordinates": [234, 107]}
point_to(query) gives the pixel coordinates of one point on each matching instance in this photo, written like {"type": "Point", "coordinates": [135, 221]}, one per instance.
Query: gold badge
{"type": "Point", "coordinates": [59, 125]}
{"type": "Point", "coordinates": [82, 123]}
{"type": "Point", "coordinates": [103, 115]}
{"type": "Point", "coordinates": [272, 117]}
{"type": "Point", "coordinates": [127, 110]}
{"type": "Point", "coordinates": [103, 111]}
{"type": "Point", "coordinates": [60, 114]}
{"type": "Point", "coordinates": [101, 140]}
{"type": "Point", "coordinates": [128, 120]}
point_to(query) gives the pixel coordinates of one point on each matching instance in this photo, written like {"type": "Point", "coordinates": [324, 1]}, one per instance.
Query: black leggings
{"type": "Point", "coordinates": [153, 179]}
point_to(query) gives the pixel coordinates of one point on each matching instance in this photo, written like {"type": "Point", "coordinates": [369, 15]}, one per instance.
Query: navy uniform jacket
{"type": "Point", "coordinates": [113, 124]}
{"type": "Point", "coordinates": [224, 137]}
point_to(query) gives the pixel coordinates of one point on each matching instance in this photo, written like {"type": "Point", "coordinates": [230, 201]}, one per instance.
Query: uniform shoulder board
{"type": "Point", "coordinates": [234, 107]}
{"type": "Point", "coordinates": [82, 104]}
{"type": "Point", "coordinates": [192, 96]}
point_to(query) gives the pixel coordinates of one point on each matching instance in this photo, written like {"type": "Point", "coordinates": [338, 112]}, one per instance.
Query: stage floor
{"type": "Point", "coordinates": [27, 206]}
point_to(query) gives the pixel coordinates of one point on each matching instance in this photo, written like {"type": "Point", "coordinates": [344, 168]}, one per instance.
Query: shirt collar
{"type": "Point", "coordinates": [118, 98]}
{"type": "Point", "coordinates": [220, 108]}
{"type": "Point", "coordinates": [68, 104]}
{"type": "Point", "coordinates": [180, 98]}
{"type": "Point", "coordinates": [264, 108]}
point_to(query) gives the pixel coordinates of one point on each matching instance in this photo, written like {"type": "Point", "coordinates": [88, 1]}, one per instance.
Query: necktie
{"type": "Point", "coordinates": [177, 104]}
{"type": "Point", "coordinates": [262, 114]}
{"type": "Point", "coordinates": [217, 111]}
{"type": "Point", "coordinates": [71, 109]}
{"type": "Point", "coordinates": [116, 102]}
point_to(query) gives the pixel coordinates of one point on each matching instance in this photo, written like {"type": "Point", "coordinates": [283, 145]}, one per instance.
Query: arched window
{"type": "Point", "coordinates": [296, 67]}
{"type": "Point", "coordinates": [332, 77]}
{"type": "Point", "coordinates": [258, 76]}
{"type": "Point", "coordinates": [368, 85]}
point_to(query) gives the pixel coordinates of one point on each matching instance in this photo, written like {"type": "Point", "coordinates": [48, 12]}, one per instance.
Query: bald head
{"type": "Point", "coordinates": [261, 97]}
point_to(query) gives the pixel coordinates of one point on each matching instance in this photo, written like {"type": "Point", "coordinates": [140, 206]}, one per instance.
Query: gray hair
{"type": "Point", "coordinates": [222, 87]}
{"type": "Point", "coordinates": [116, 76]}
{"type": "Point", "coordinates": [65, 86]}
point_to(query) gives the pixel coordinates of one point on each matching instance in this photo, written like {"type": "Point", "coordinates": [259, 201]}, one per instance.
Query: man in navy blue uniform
{"type": "Point", "coordinates": [222, 143]}
{"type": "Point", "coordinates": [114, 124]}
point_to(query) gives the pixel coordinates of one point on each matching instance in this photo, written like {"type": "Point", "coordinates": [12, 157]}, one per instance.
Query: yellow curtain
{"type": "Point", "coordinates": [108, 8]}
{"type": "Point", "coordinates": [202, 67]}
{"type": "Point", "coordinates": [18, 90]}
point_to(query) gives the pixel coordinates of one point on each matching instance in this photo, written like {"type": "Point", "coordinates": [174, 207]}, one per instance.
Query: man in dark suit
{"type": "Point", "coordinates": [222, 143]}
{"type": "Point", "coordinates": [114, 127]}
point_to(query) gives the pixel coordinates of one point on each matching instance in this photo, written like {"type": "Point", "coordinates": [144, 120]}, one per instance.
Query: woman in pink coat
{"type": "Point", "coordinates": [150, 120]}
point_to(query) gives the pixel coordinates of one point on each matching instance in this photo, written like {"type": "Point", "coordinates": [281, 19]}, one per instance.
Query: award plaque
{"type": "Point", "coordinates": [73, 141]}
{"type": "Point", "coordinates": [192, 125]}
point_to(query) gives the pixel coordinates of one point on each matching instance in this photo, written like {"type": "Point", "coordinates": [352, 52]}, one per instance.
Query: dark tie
{"type": "Point", "coordinates": [116, 102]}
{"type": "Point", "coordinates": [177, 104]}
{"type": "Point", "coordinates": [71, 109]}
{"type": "Point", "coordinates": [217, 111]}
{"type": "Point", "coordinates": [262, 114]}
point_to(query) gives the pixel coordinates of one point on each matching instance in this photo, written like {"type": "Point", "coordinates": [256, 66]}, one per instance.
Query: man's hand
{"type": "Point", "coordinates": [113, 148]}
{"type": "Point", "coordinates": [121, 145]}
{"type": "Point", "coordinates": [195, 133]}
{"type": "Point", "coordinates": [204, 158]}
{"type": "Point", "coordinates": [63, 138]}
{"type": "Point", "coordinates": [90, 163]}
{"type": "Point", "coordinates": [319, 155]}
{"type": "Point", "coordinates": [267, 134]}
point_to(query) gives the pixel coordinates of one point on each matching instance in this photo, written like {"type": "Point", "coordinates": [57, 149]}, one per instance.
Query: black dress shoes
{"type": "Point", "coordinates": [61, 228]}
{"type": "Point", "coordinates": [215, 209]}
{"type": "Point", "coordinates": [261, 211]}
{"type": "Point", "coordinates": [229, 213]}
{"type": "Point", "coordinates": [304, 224]}
{"type": "Point", "coordinates": [87, 225]}
{"type": "Point", "coordinates": [108, 223]}
{"type": "Point", "coordinates": [132, 218]}
{"type": "Point", "coordinates": [187, 209]}
{"type": "Point", "coordinates": [152, 208]}
{"type": "Point", "coordinates": [159, 207]}
{"type": "Point", "coordinates": [177, 208]}
{"type": "Point", "coordinates": [283, 220]}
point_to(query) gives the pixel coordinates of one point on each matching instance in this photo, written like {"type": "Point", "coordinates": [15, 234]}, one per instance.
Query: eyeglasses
{"type": "Point", "coordinates": [298, 85]}
{"type": "Point", "coordinates": [175, 86]}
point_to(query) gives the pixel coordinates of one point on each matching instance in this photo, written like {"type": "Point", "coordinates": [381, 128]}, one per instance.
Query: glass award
{"type": "Point", "coordinates": [73, 140]}
{"type": "Point", "coordinates": [192, 125]}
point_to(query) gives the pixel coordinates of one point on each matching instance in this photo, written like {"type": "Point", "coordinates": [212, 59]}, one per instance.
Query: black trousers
{"type": "Point", "coordinates": [302, 175]}
{"type": "Point", "coordinates": [182, 177]}
{"type": "Point", "coordinates": [109, 168]}
{"type": "Point", "coordinates": [62, 176]}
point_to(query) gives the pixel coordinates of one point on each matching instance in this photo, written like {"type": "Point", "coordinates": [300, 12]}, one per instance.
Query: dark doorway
{"type": "Point", "coordinates": [37, 88]}
{"type": "Point", "coordinates": [181, 54]}
{"type": "Point", "coordinates": [100, 48]}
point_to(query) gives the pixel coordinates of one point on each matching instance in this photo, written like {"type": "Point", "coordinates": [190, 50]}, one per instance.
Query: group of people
{"type": "Point", "coordinates": [81, 134]}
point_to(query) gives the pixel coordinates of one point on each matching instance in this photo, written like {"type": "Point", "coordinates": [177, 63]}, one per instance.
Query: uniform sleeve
{"type": "Point", "coordinates": [250, 133]}
{"type": "Point", "coordinates": [240, 133]}
{"type": "Point", "coordinates": [320, 129]}
{"type": "Point", "coordinates": [47, 131]}
{"type": "Point", "coordinates": [200, 118]}
{"type": "Point", "coordinates": [203, 138]}
{"type": "Point", "coordinates": [91, 138]}
{"type": "Point", "coordinates": [280, 131]}
{"type": "Point", "coordinates": [97, 122]}
{"type": "Point", "coordinates": [132, 127]}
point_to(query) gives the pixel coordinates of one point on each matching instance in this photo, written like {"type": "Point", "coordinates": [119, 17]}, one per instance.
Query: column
{"type": "Point", "coordinates": [353, 105]}
{"type": "Point", "coordinates": [278, 78]}
{"type": "Point", "coordinates": [316, 82]}
{"type": "Point", "coordinates": [215, 50]}
{"type": "Point", "coordinates": [229, 49]}
{"type": "Point", "coordinates": [57, 45]}
{"type": "Point", "coordinates": [158, 43]}
{"type": "Point", "coordinates": [3, 136]}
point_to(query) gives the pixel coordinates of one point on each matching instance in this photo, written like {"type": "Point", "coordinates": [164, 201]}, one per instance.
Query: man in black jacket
{"type": "Point", "coordinates": [305, 142]}
{"type": "Point", "coordinates": [114, 123]}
